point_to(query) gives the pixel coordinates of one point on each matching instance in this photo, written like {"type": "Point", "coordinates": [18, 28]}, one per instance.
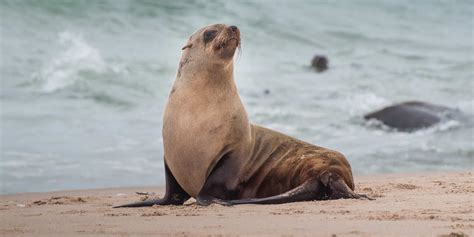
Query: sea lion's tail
{"type": "Point", "coordinates": [147, 203]}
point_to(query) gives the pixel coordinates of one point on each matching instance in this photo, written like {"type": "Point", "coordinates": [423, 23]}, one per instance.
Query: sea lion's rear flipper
{"type": "Point", "coordinates": [328, 185]}
{"type": "Point", "coordinates": [337, 188]}
{"type": "Point", "coordinates": [175, 194]}
{"type": "Point", "coordinates": [310, 190]}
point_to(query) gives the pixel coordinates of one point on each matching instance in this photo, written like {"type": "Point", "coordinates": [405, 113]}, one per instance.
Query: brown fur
{"type": "Point", "coordinates": [206, 130]}
{"type": "Point", "coordinates": [288, 162]}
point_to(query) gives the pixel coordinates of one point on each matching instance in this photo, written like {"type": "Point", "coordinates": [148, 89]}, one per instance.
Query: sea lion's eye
{"type": "Point", "coordinates": [209, 35]}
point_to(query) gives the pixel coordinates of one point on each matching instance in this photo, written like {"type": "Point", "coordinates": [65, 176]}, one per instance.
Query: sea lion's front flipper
{"type": "Point", "coordinates": [175, 195]}
{"type": "Point", "coordinates": [308, 191]}
{"type": "Point", "coordinates": [206, 201]}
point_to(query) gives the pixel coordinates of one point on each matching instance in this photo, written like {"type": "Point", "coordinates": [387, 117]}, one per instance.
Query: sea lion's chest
{"type": "Point", "coordinates": [197, 131]}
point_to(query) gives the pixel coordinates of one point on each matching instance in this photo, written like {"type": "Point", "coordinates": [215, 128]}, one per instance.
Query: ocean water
{"type": "Point", "coordinates": [84, 83]}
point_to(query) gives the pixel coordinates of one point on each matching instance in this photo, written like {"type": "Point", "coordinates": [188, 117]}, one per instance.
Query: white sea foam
{"type": "Point", "coordinates": [441, 127]}
{"type": "Point", "coordinates": [360, 104]}
{"type": "Point", "coordinates": [76, 56]}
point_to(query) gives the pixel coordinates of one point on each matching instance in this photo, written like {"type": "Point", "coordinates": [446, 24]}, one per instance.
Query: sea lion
{"type": "Point", "coordinates": [320, 63]}
{"type": "Point", "coordinates": [412, 115]}
{"type": "Point", "coordinates": [215, 155]}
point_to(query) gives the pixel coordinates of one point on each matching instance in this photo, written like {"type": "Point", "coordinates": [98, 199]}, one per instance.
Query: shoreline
{"type": "Point", "coordinates": [421, 204]}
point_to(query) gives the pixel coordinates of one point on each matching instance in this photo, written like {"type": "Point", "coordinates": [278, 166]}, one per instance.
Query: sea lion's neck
{"type": "Point", "coordinates": [217, 77]}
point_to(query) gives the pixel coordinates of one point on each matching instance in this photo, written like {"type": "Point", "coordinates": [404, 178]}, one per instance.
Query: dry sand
{"type": "Point", "coordinates": [435, 204]}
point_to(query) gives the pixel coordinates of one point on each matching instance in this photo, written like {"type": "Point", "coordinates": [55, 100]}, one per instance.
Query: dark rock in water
{"type": "Point", "coordinates": [320, 63]}
{"type": "Point", "coordinates": [266, 91]}
{"type": "Point", "coordinates": [410, 116]}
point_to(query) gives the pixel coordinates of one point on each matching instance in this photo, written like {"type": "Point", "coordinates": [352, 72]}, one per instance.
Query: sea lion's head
{"type": "Point", "coordinates": [213, 44]}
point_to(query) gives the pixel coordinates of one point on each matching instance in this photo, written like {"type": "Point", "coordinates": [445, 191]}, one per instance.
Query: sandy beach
{"type": "Point", "coordinates": [431, 204]}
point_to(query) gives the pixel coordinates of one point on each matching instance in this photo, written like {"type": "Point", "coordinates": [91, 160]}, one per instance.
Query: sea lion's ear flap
{"type": "Point", "coordinates": [187, 46]}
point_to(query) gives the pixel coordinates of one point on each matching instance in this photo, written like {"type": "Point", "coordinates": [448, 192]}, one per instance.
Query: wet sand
{"type": "Point", "coordinates": [424, 204]}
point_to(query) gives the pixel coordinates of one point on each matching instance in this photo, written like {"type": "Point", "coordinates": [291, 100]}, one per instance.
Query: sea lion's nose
{"type": "Point", "coordinates": [234, 28]}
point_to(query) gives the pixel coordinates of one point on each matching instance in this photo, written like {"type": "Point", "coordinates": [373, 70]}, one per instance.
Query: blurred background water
{"type": "Point", "coordinates": [84, 83]}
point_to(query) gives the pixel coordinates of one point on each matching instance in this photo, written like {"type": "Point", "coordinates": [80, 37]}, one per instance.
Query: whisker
{"type": "Point", "coordinates": [239, 52]}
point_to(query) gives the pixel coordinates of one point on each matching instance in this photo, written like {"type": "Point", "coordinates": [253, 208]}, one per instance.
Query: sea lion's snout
{"type": "Point", "coordinates": [227, 41]}
{"type": "Point", "coordinates": [235, 34]}
{"type": "Point", "coordinates": [234, 29]}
